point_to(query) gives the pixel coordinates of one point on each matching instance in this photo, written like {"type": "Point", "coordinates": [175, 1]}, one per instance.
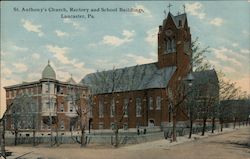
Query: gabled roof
{"type": "Point", "coordinates": [207, 76]}
{"type": "Point", "coordinates": [176, 19]}
{"type": "Point", "coordinates": [137, 77]}
{"type": "Point", "coordinates": [206, 79]}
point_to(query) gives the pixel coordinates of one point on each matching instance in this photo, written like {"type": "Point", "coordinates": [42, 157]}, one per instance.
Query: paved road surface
{"type": "Point", "coordinates": [229, 145]}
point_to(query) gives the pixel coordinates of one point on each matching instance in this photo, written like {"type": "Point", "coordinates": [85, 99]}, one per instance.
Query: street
{"type": "Point", "coordinates": [234, 144]}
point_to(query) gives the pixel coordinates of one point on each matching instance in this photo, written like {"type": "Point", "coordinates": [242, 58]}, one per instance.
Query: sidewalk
{"type": "Point", "coordinates": [165, 144]}
{"type": "Point", "coordinates": [149, 150]}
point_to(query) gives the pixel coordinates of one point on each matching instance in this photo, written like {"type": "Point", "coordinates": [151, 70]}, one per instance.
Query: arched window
{"type": "Point", "coordinates": [173, 45]}
{"type": "Point", "coordinates": [62, 125]}
{"type": "Point", "coordinates": [169, 47]}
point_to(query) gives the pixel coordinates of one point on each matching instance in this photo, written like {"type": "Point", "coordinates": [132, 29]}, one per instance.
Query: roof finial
{"type": "Point", "coordinates": [184, 8]}
{"type": "Point", "coordinates": [71, 75]}
{"type": "Point", "coordinates": [48, 62]}
{"type": "Point", "coordinates": [169, 6]}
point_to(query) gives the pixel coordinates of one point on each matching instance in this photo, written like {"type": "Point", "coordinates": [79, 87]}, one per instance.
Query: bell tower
{"type": "Point", "coordinates": [174, 42]}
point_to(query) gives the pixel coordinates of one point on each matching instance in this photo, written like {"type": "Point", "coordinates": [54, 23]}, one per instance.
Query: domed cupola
{"type": "Point", "coordinates": [48, 72]}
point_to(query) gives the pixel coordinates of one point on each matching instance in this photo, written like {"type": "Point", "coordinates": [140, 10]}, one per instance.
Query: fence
{"type": "Point", "coordinates": [129, 137]}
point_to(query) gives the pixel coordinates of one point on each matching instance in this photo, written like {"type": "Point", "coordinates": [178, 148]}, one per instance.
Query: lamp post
{"type": "Point", "coordinates": [189, 79]}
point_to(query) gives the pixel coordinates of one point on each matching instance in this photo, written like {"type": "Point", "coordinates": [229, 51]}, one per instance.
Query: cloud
{"type": "Point", "coordinates": [195, 9]}
{"type": "Point", "coordinates": [60, 53]}
{"type": "Point", "coordinates": [140, 59]}
{"type": "Point", "coordinates": [144, 10]}
{"type": "Point", "coordinates": [219, 66]}
{"type": "Point", "coordinates": [20, 67]}
{"type": "Point", "coordinates": [17, 48]}
{"type": "Point", "coordinates": [216, 21]}
{"type": "Point", "coordinates": [245, 51]}
{"type": "Point", "coordinates": [4, 82]}
{"type": "Point", "coordinates": [151, 37]}
{"type": "Point", "coordinates": [221, 54]}
{"type": "Point", "coordinates": [35, 56]}
{"type": "Point", "coordinates": [76, 25]}
{"type": "Point", "coordinates": [116, 41]}
{"type": "Point", "coordinates": [34, 76]}
{"type": "Point", "coordinates": [63, 75]}
{"type": "Point", "coordinates": [245, 33]}
{"type": "Point", "coordinates": [3, 53]}
{"type": "Point", "coordinates": [30, 27]}
{"type": "Point", "coordinates": [6, 72]}
{"type": "Point", "coordinates": [235, 44]}
{"type": "Point", "coordinates": [244, 83]}
{"type": "Point", "coordinates": [60, 33]}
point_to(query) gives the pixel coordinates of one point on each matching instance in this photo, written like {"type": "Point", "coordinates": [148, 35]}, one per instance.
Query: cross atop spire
{"type": "Point", "coordinates": [169, 6]}
{"type": "Point", "coordinates": [184, 8]}
{"type": "Point", "coordinates": [48, 62]}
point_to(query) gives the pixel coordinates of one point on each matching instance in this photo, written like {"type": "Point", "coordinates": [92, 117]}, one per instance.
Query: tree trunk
{"type": "Point", "coordinates": [57, 136]}
{"type": "Point", "coordinates": [204, 126]}
{"type": "Point", "coordinates": [191, 129]}
{"type": "Point", "coordinates": [3, 139]}
{"type": "Point", "coordinates": [213, 124]}
{"type": "Point", "coordinates": [174, 127]}
{"type": "Point", "coordinates": [234, 122]}
{"type": "Point", "coordinates": [34, 137]}
{"type": "Point", "coordinates": [221, 125]}
{"type": "Point", "coordinates": [83, 143]}
{"type": "Point", "coordinates": [116, 137]}
{"type": "Point", "coordinates": [16, 133]}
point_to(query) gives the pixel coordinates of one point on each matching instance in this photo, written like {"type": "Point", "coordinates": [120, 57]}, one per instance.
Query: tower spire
{"type": "Point", "coordinates": [169, 6]}
{"type": "Point", "coordinates": [184, 8]}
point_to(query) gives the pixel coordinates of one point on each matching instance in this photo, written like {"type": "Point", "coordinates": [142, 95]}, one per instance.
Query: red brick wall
{"type": "Point", "coordinates": [158, 116]}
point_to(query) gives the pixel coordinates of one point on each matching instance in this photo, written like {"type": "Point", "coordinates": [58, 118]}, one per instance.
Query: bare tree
{"type": "Point", "coordinates": [176, 99]}
{"type": "Point", "coordinates": [82, 104]}
{"type": "Point", "coordinates": [199, 62]}
{"type": "Point", "coordinates": [192, 107]}
{"type": "Point", "coordinates": [2, 136]}
{"type": "Point", "coordinates": [112, 82]}
{"type": "Point", "coordinates": [228, 91]}
{"type": "Point", "coordinates": [23, 114]}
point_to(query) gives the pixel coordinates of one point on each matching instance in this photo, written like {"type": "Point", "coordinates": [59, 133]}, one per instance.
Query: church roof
{"type": "Point", "coordinates": [182, 18]}
{"type": "Point", "coordinates": [137, 77]}
{"type": "Point", "coordinates": [48, 72]}
{"type": "Point", "coordinates": [207, 78]}
{"type": "Point", "coordinates": [177, 18]}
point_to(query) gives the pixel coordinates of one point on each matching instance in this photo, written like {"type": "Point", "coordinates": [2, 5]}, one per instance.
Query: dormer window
{"type": "Point", "coordinates": [180, 23]}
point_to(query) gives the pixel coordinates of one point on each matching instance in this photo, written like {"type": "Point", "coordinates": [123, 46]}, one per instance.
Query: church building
{"type": "Point", "coordinates": [137, 96]}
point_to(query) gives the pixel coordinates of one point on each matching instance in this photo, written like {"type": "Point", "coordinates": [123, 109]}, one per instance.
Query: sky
{"type": "Point", "coordinates": [34, 32]}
